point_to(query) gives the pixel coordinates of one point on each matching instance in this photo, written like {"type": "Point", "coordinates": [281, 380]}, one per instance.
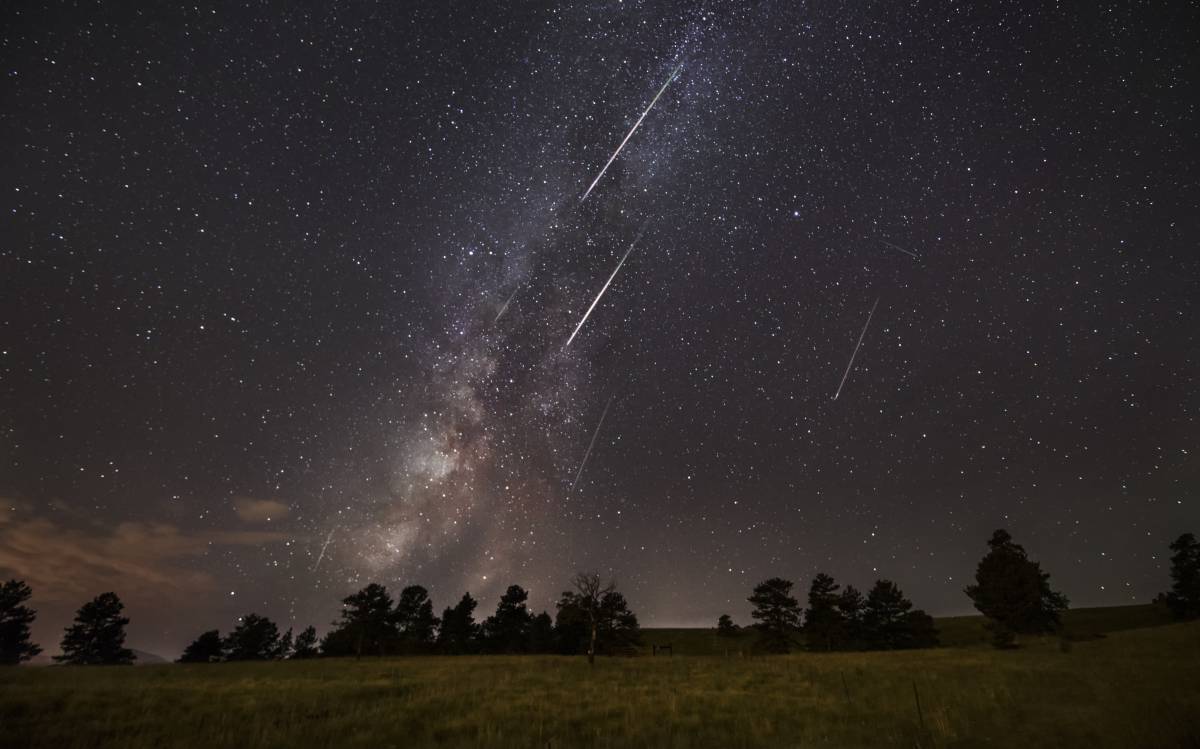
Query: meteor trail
{"type": "Point", "coordinates": [504, 308]}
{"type": "Point", "coordinates": [613, 158]}
{"type": "Point", "coordinates": [323, 547]}
{"type": "Point", "coordinates": [591, 444]}
{"type": "Point", "coordinates": [856, 346]}
{"type": "Point", "coordinates": [913, 255]}
{"type": "Point", "coordinates": [604, 288]}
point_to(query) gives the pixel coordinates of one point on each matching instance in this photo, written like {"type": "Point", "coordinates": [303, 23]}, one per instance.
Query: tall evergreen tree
{"type": "Point", "coordinates": [414, 618]}
{"type": "Point", "coordinates": [98, 635]}
{"type": "Point", "coordinates": [541, 634]}
{"type": "Point", "coordinates": [725, 626]}
{"type": "Point", "coordinates": [1184, 597]}
{"type": "Point", "coordinates": [459, 632]}
{"type": "Point", "coordinates": [823, 625]}
{"type": "Point", "coordinates": [885, 617]}
{"type": "Point", "coordinates": [1013, 592]}
{"type": "Point", "coordinates": [207, 648]}
{"type": "Point", "coordinates": [850, 605]}
{"type": "Point", "coordinates": [255, 638]}
{"type": "Point", "coordinates": [15, 618]}
{"type": "Point", "coordinates": [507, 631]}
{"type": "Point", "coordinates": [306, 643]}
{"type": "Point", "coordinates": [367, 624]}
{"type": "Point", "coordinates": [777, 614]}
{"type": "Point", "coordinates": [284, 650]}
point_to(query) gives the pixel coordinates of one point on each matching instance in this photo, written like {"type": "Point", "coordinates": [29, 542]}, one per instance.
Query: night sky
{"type": "Point", "coordinates": [285, 299]}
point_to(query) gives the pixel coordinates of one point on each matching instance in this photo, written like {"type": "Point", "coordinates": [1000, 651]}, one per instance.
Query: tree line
{"type": "Point", "coordinates": [1010, 590]}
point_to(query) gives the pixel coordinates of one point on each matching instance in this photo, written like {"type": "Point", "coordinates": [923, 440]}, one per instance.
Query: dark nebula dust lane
{"type": "Point", "coordinates": [488, 294]}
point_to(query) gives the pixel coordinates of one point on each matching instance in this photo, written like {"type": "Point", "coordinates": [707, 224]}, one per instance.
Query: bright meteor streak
{"type": "Point", "coordinates": [504, 308]}
{"type": "Point", "coordinates": [323, 548]}
{"type": "Point", "coordinates": [633, 129]}
{"type": "Point", "coordinates": [856, 347]}
{"type": "Point", "coordinates": [591, 444]}
{"type": "Point", "coordinates": [604, 288]}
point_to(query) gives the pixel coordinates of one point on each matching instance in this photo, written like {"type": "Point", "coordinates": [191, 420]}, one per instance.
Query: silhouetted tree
{"type": "Point", "coordinates": [891, 623]}
{"type": "Point", "coordinates": [507, 631]}
{"type": "Point", "coordinates": [207, 648]}
{"type": "Point", "coordinates": [98, 635]}
{"type": "Point", "coordinates": [823, 626]}
{"type": "Point", "coordinates": [255, 638]}
{"type": "Point", "coordinates": [922, 632]}
{"type": "Point", "coordinates": [595, 618]}
{"type": "Point", "coordinates": [726, 627]}
{"type": "Point", "coordinates": [15, 618]}
{"type": "Point", "coordinates": [850, 606]}
{"type": "Point", "coordinates": [284, 650]}
{"type": "Point", "coordinates": [1013, 593]}
{"type": "Point", "coordinates": [459, 631]}
{"type": "Point", "coordinates": [306, 644]}
{"type": "Point", "coordinates": [367, 624]}
{"type": "Point", "coordinates": [777, 614]}
{"type": "Point", "coordinates": [1184, 597]}
{"type": "Point", "coordinates": [414, 619]}
{"type": "Point", "coordinates": [541, 634]}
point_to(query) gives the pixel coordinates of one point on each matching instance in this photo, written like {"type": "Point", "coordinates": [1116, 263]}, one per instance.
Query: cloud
{"type": "Point", "coordinates": [259, 510]}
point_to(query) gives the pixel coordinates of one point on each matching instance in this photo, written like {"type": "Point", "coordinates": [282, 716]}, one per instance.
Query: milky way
{"type": "Point", "coordinates": [283, 301]}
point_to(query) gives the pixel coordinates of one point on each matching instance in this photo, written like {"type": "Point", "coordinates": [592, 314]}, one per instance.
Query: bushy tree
{"type": "Point", "coordinates": [891, 623]}
{"type": "Point", "coordinates": [541, 634]}
{"type": "Point", "coordinates": [459, 632]}
{"type": "Point", "coordinates": [823, 625]}
{"type": "Point", "coordinates": [1184, 596]}
{"type": "Point", "coordinates": [207, 648]}
{"type": "Point", "coordinates": [367, 624]}
{"type": "Point", "coordinates": [850, 605]}
{"type": "Point", "coordinates": [777, 614]}
{"type": "Point", "coordinates": [306, 644]}
{"type": "Point", "coordinates": [726, 627]}
{"type": "Point", "coordinates": [98, 635]}
{"type": "Point", "coordinates": [255, 638]}
{"type": "Point", "coordinates": [1013, 592]}
{"type": "Point", "coordinates": [15, 618]}
{"type": "Point", "coordinates": [507, 631]}
{"type": "Point", "coordinates": [415, 622]}
{"type": "Point", "coordinates": [283, 650]}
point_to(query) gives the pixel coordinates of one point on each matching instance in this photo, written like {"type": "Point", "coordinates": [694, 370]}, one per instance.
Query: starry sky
{"type": "Point", "coordinates": [286, 295]}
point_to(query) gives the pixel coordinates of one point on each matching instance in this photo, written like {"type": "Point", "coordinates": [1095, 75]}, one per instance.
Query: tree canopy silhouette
{"type": "Point", "coordinates": [507, 631]}
{"type": "Point", "coordinates": [367, 624]}
{"type": "Point", "coordinates": [256, 638]}
{"type": "Point", "coordinates": [459, 631]}
{"type": "Point", "coordinates": [595, 618]}
{"type": "Point", "coordinates": [823, 625]}
{"type": "Point", "coordinates": [1184, 597]}
{"type": "Point", "coordinates": [98, 635]}
{"type": "Point", "coordinates": [1013, 593]}
{"type": "Point", "coordinates": [777, 614]}
{"type": "Point", "coordinates": [415, 622]}
{"type": "Point", "coordinates": [207, 648]}
{"type": "Point", "coordinates": [306, 644]}
{"type": "Point", "coordinates": [15, 618]}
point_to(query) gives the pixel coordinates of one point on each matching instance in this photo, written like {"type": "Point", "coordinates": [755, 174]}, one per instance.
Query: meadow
{"type": "Point", "coordinates": [1118, 683]}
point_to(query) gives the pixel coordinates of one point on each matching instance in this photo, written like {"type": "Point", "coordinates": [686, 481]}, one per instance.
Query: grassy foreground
{"type": "Point", "coordinates": [1136, 688]}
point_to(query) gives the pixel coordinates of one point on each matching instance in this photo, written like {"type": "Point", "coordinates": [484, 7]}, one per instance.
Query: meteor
{"type": "Point", "coordinates": [507, 302]}
{"type": "Point", "coordinates": [617, 152]}
{"type": "Point", "coordinates": [856, 347]}
{"type": "Point", "coordinates": [898, 248]}
{"type": "Point", "coordinates": [323, 547]}
{"type": "Point", "coordinates": [591, 444]}
{"type": "Point", "coordinates": [604, 288]}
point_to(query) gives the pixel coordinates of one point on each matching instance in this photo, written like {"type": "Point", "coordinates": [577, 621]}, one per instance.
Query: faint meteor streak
{"type": "Point", "coordinates": [856, 347]}
{"type": "Point", "coordinates": [604, 288]}
{"type": "Point", "coordinates": [595, 434]}
{"type": "Point", "coordinates": [323, 548]}
{"type": "Point", "coordinates": [507, 302]}
{"type": "Point", "coordinates": [632, 130]}
{"type": "Point", "coordinates": [898, 248]}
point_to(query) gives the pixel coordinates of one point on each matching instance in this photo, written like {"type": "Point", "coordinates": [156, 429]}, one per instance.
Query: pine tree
{"type": "Point", "coordinates": [1013, 593]}
{"type": "Point", "coordinates": [306, 644]}
{"type": "Point", "coordinates": [207, 648]}
{"type": "Point", "coordinates": [459, 632]}
{"type": "Point", "coordinates": [1184, 598]}
{"type": "Point", "coordinates": [725, 626]}
{"type": "Point", "coordinates": [15, 618]}
{"type": "Point", "coordinates": [367, 624]}
{"type": "Point", "coordinates": [284, 650]}
{"type": "Point", "coordinates": [98, 635]}
{"type": "Point", "coordinates": [777, 614]}
{"type": "Point", "coordinates": [884, 616]}
{"type": "Point", "coordinates": [507, 631]}
{"type": "Point", "coordinates": [256, 638]}
{"type": "Point", "coordinates": [823, 625]}
{"type": "Point", "coordinates": [850, 605]}
{"type": "Point", "coordinates": [414, 619]}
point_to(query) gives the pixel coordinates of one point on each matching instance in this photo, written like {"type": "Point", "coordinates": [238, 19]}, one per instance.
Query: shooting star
{"type": "Point", "coordinates": [632, 130]}
{"type": "Point", "coordinates": [323, 548]}
{"type": "Point", "coordinates": [856, 347]}
{"type": "Point", "coordinates": [898, 248]}
{"type": "Point", "coordinates": [588, 453]}
{"type": "Point", "coordinates": [507, 302]}
{"type": "Point", "coordinates": [605, 287]}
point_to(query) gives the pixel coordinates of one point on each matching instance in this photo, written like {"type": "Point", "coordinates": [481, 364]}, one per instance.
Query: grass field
{"type": "Point", "coordinates": [1131, 688]}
